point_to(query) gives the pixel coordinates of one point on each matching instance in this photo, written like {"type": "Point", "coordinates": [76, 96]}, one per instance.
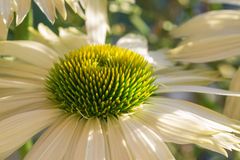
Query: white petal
{"type": "Point", "coordinates": [186, 77]}
{"type": "Point", "coordinates": [72, 149]}
{"type": "Point", "coordinates": [9, 82]}
{"type": "Point", "coordinates": [96, 20]}
{"type": "Point", "coordinates": [22, 9]}
{"type": "Point", "coordinates": [3, 29]}
{"type": "Point", "coordinates": [6, 11]}
{"type": "Point", "coordinates": [23, 100]}
{"type": "Point", "coordinates": [52, 39]}
{"type": "Point", "coordinates": [90, 145]}
{"type": "Point", "coordinates": [29, 51]}
{"type": "Point", "coordinates": [209, 24]}
{"type": "Point", "coordinates": [16, 67]}
{"type": "Point", "coordinates": [204, 112]}
{"type": "Point", "coordinates": [76, 7]}
{"type": "Point", "coordinates": [16, 130]}
{"type": "Point", "coordinates": [48, 8]}
{"type": "Point", "coordinates": [144, 143]}
{"type": "Point", "coordinates": [196, 89]}
{"type": "Point", "coordinates": [60, 5]}
{"type": "Point", "coordinates": [234, 2]}
{"type": "Point", "coordinates": [54, 142]}
{"type": "Point", "coordinates": [207, 49]}
{"type": "Point", "coordinates": [159, 59]}
{"type": "Point", "coordinates": [118, 147]}
{"type": "Point", "coordinates": [232, 106]}
{"type": "Point", "coordinates": [177, 123]}
{"type": "Point", "coordinates": [136, 43]}
{"type": "Point", "coordinates": [72, 38]}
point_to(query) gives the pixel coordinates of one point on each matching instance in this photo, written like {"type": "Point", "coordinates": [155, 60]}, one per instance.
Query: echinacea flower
{"type": "Point", "coordinates": [102, 101]}
{"type": "Point", "coordinates": [49, 8]}
{"type": "Point", "coordinates": [208, 37]}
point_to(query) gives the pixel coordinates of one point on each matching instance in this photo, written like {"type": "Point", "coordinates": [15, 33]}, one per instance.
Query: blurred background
{"type": "Point", "coordinates": [154, 19]}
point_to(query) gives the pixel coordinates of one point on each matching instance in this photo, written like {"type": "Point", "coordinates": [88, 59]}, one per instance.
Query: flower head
{"type": "Point", "coordinates": [102, 101]}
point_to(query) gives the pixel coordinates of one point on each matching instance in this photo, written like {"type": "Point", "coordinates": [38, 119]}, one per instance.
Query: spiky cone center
{"type": "Point", "coordinates": [100, 81]}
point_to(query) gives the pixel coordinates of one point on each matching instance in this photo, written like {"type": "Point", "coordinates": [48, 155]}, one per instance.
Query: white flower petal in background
{"type": "Point", "coordinates": [138, 44]}
{"type": "Point", "coordinates": [22, 8]}
{"type": "Point", "coordinates": [159, 58]}
{"type": "Point", "coordinates": [96, 20]}
{"type": "Point", "coordinates": [212, 23]}
{"type": "Point", "coordinates": [76, 7]}
{"type": "Point", "coordinates": [3, 29]}
{"type": "Point", "coordinates": [232, 105]}
{"type": "Point", "coordinates": [134, 42]}
{"type": "Point", "coordinates": [216, 31]}
{"type": "Point", "coordinates": [234, 2]}
{"type": "Point", "coordinates": [96, 14]}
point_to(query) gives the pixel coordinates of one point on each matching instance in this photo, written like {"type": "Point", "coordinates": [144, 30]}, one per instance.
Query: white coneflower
{"type": "Point", "coordinates": [49, 8]}
{"type": "Point", "coordinates": [102, 101]}
{"type": "Point", "coordinates": [211, 36]}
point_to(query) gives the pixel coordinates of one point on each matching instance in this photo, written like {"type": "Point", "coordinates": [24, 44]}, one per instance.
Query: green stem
{"type": "Point", "coordinates": [26, 148]}
{"type": "Point", "coordinates": [21, 32]}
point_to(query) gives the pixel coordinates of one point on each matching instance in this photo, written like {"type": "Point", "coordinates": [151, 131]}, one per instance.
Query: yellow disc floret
{"type": "Point", "coordinates": [100, 81]}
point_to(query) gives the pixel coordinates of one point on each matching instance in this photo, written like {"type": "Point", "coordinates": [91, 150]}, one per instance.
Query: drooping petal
{"type": "Point", "coordinates": [48, 8]}
{"type": "Point", "coordinates": [96, 20]}
{"type": "Point", "coordinates": [232, 105]}
{"type": "Point", "coordinates": [183, 122]}
{"type": "Point", "coordinates": [16, 130]}
{"type": "Point", "coordinates": [54, 142]}
{"type": "Point", "coordinates": [22, 9]}
{"type": "Point", "coordinates": [29, 51]}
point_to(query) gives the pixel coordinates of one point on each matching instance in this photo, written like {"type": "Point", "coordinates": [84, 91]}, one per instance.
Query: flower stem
{"type": "Point", "coordinates": [21, 32]}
